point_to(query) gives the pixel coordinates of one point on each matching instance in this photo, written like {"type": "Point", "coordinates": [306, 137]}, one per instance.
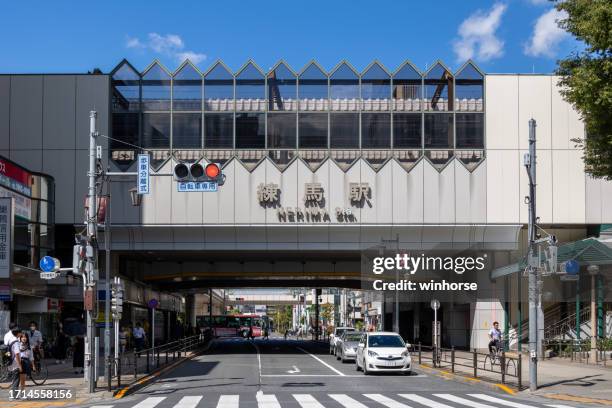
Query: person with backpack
{"type": "Point", "coordinates": [16, 367]}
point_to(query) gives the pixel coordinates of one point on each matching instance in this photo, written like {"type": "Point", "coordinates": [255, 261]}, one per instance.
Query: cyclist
{"type": "Point", "coordinates": [36, 341]}
{"type": "Point", "coordinates": [495, 338]}
{"type": "Point", "coordinates": [16, 367]}
{"type": "Point", "coordinates": [9, 337]}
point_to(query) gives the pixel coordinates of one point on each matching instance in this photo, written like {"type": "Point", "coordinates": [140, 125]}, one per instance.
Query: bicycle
{"type": "Point", "coordinates": [495, 357]}
{"type": "Point", "coordinates": [39, 372]}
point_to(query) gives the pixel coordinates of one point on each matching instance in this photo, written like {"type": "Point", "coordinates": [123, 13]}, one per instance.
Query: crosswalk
{"type": "Point", "coordinates": [333, 400]}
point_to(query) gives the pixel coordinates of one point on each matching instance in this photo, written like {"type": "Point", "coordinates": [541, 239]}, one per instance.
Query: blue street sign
{"type": "Point", "coordinates": [572, 267]}
{"type": "Point", "coordinates": [197, 186]}
{"type": "Point", "coordinates": [143, 174]}
{"type": "Point", "coordinates": [49, 264]}
{"type": "Point", "coordinates": [153, 303]}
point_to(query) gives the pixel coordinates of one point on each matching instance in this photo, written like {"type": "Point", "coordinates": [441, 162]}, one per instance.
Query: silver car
{"type": "Point", "coordinates": [346, 346]}
{"type": "Point", "coordinates": [338, 331]}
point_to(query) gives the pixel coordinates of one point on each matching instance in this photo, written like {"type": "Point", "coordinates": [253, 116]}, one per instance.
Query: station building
{"type": "Point", "coordinates": [319, 166]}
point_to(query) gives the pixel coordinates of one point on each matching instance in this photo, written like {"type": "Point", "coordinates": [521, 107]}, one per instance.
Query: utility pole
{"type": "Point", "coordinates": [107, 287]}
{"type": "Point", "coordinates": [530, 164]}
{"type": "Point", "coordinates": [396, 306]}
{"type": "Point", "coordinates": [92, 225]}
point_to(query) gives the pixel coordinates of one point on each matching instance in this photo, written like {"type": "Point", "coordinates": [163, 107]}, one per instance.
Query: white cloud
{"type": "Point", "coordinates": [477, 35]}
{"type": "Point", "coordinates": [539, 2]}
{"type": "Point", "coordinates": [169, 45]}
{"type": "Point", "coordinates": [546, 35]}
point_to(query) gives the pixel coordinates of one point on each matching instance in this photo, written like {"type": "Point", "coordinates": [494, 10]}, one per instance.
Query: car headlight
{"type": "Point", "coordinates": [405, 353]}
{"type": "Point", "coordinates": [372, 353]}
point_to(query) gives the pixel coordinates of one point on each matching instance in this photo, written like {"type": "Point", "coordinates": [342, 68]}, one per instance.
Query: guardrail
{"type": "Point", "coordinates": [580, 350]}
{"type": "Point", "coordinates": [140, 363]}
{"type": "Point", "coordinates": [505, 367]}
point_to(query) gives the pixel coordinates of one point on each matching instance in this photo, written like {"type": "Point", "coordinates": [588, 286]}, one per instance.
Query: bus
{"type": "Point", "coordinates": [237, 325]}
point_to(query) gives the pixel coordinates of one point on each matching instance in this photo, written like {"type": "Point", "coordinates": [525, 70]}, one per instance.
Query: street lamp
{"type": "Point", "coordinates": [135, 197]}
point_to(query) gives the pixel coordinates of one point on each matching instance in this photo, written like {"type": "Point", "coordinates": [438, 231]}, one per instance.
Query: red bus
{"type": "Point", "coordinates": [239, 325]}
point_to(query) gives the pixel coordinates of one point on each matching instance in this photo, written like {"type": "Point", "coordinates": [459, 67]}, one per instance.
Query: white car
{"type": "Point", "coordinates": [383, 352]}
{"type": "Point", "coordinates": [335, 336]}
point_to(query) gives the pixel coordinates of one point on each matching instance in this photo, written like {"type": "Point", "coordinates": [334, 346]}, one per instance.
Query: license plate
{"type": "Point", "coordinates": [390, 363]}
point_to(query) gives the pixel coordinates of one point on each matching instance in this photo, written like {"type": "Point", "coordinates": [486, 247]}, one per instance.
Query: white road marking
{"type": "Point", "coordinates": [463, 401]}
{"type": "Point", "coordinates": [386, 401]}
{"type": "Point", "coordinates": [149, 402]}
{"type": "Point", "coordinates": [258, 357]}
{"type": "Point", "coordinates": [424, 401]}
{"type": "Point", "coordinates": [558, 406]}
{"type": "Point", "coordinates": [266, 401]}
{"type": "Point", "coordinates": [347, 401]}
{"type": "Point", "coordinates": [102, 406]}
{"type": "Point", "coordinates": [322, 362]}
{"type": "Point", "coordinates": [307, 401]}
{"type": "Point", "coordinates": [228, 401]}
{"type": "Point", "coordinates": [295, 370]}
{"type": "Point", "coordinates": [490, 398]}
{"type": "Point", "coordinates": [189, 402]}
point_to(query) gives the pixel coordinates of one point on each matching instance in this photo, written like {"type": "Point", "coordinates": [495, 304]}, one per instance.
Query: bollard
{"type": "Point", "coordinates": [502, 363]}
{"type": "Point", "coordinates": [110, 373]}
{"type": "Point", "coordinates": [158, 357]}
{"type": "Point", "coordinates": [166, 353]}
{"type": "Point", "coordinates": [475, 364]}
{"type": "Point", "coordinates": [433, 357]}
{"type": "Point", "coordinates": [452, 359]}
{"type": "Point", "coordinates": [420, 353]}
{"type": "Point", "coordinates": [520, 371]}
{"type": "Point", "coordinates": [119, 372]}
{"type": "Point", "coordinates": [148, 366]}
{"type": "Point", "coordinates": [135, 365]}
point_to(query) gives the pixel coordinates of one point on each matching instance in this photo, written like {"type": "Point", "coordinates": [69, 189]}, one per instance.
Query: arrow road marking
{"type": "Point", "coordinates": [295, 370]}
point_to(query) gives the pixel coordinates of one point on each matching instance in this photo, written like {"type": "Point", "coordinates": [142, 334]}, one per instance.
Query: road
{"type": "Point", "coordinates": [277, 373]}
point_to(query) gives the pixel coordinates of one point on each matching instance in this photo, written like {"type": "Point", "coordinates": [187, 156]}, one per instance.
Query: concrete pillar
{"type": "Point", "coordinates": [593, 271]}
{"type": "Point", "coordinates": [190, 310]}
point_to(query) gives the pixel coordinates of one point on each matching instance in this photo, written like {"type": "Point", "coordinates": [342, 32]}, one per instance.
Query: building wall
{"type": "Point", "coordinates": [44, 126]}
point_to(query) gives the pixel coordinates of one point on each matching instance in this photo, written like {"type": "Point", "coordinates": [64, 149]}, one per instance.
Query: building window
{"type": "Point", "coordinates": [344, 88]}
{"type": "Point", "coordinates": [126, 89]}
{"type": "Point", "coordinates": [375, 130]}
{"type": "Point", "coordinates": [218, 89]}
{"type": "Point", "coordinates": [313, 130]}
{"type": "Point", "coordinates": [407, 130]}
{"type": "Point", "coordinates": [469, 89]}
{"type": "Point", "coordinates": [282, 130]}
{"type": "Point", "coordinates": [313, 90]}
{"type": "Point", "coordinates": [375, 88]}
{"type": "Point", "coordinates": [344, 130]}
{"type": "Point", "coordinates": [407, 89]}
{"type": "Point", "coordinates": [219, 130]}
{"type": "Point", "coordinates": [156, 89]}
{"type": "Point", "coordinates": [470, 130]}
{"type": "Point", "coordinates": [438, 89]}
{"type": "Point", "coordinates": [187, 130]}
{"type": "Point", "coordinates": [156, 130]}
{"type": "Point", "coordinates": [438, 130]}
{"type": "Point", "coordinates": [250, 131]}
{"type": "Point", "coordinates": [125, 129]}
{"type": "Point", "coordinates": [282, 89]}
{"type": "Point", "coordinates": [250, 85]}
{"type": "Point", "coordinates": [187, 89]}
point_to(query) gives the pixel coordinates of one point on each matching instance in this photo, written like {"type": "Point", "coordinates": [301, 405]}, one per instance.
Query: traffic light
{"type": "Point", "coordinates": [198, 172]}
{"type": "Point", "coordinates": [78, 258]}
{"type": "Point", "coordinates": [116, 299]}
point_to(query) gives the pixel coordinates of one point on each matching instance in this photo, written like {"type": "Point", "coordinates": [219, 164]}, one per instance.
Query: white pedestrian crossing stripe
{"type": "Point", "coordinates": [402, 400]}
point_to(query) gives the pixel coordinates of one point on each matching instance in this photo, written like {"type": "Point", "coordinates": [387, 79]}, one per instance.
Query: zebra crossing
{"type": "Point", "coordinates": [332, 400]}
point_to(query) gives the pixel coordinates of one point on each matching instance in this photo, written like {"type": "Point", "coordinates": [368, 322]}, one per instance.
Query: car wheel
{"type": "Point", "coordinates": [357, 368]}
{"type": "Point", "coordinates": [365, 368]}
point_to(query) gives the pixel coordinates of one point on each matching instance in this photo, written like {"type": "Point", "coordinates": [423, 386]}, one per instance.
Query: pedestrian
{"type": "Point", "coordinates": [78, 356]}
{"type": "Point", "coordinates": [15, 367]}
{"type": "Point", "coordinates": [27, 357]}
{"type": "Point", "coordinates": [9, 337]}
{"type": "Point", "coordinates": [61, 345]}
{"type": "Point", "coordinates": [36, 340]}
{"type": "Point", "coordinates": [266, 333]}
{"type": "Point", "coordinates": [286, 333]}
{"type": "Point", "coordinates": [123, 338]}
{"type": "Point", "coordinates": [139, 336]}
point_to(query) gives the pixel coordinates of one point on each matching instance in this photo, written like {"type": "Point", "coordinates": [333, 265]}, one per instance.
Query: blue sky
{"type": "Point", "coordinates": [63, 36]}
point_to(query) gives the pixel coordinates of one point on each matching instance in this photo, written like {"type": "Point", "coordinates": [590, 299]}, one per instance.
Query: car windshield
{"type": "Point", "coordinates": [352, 337]}
{"type": "Point", "coordinates": [385, 341]}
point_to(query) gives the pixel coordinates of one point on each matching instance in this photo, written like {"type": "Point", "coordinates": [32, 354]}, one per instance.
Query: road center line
{"type": "Point", "coordinates": [322, 362]}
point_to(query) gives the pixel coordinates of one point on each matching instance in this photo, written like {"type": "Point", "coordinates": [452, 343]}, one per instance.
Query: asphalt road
{"type": "Point", "coordinates": [276, 373]}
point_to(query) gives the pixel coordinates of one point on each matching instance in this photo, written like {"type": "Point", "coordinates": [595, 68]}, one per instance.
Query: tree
{"type": "Point", "coordinates": [283, 318]}
{"type": "Point", "coordinates": [587, 79]}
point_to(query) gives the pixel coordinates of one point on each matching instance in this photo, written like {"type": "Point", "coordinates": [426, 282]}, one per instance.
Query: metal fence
{"type": "Point", "coordinates": [506, 368]}
{"type": "Point", "coordinates": [579, 350]}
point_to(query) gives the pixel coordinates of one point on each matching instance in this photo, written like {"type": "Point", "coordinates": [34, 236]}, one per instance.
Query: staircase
{"type": "Point", "coordinates": [565, 329]}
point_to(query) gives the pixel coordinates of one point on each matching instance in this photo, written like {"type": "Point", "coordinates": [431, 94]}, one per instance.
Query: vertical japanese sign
{"type": "Point", "coordinates": [143, 174]}
{"type": "Point", "coordinates": [6, 237]}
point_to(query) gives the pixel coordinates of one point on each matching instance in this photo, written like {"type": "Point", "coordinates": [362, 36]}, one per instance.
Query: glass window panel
{"type": "Point", "coordinates": [156, 89]}
{"type": "Point", "coordinates": [282, 130]}
{"type": "Point", "coordinates": [469, 83]}
{"type": "Point", "coordinates": [438, 130]}
{"type": "Point", "coordinates": [187, 130]}
{"type": "Point", "coordinates": [187, 89]}
{"type": "Point", "coordinates": [407, 83]}
{"type": "Point", "coordinates": [375, 83]}
{"type": "Point", "coordinates": [344, 130]}
{"type": "Point", "coordinates": [219, 130]}
{"type": "Point", "coordinates": [375, 130]}
{"type": "Point", "coordinates": [313, 83]}
{"type": "Point", "coordinates": [125, 128]}
{"type": "Point", "coordinates": [439, 89]}
{"type": "Point", "coordinates": [470, 130]}
{"type": "Point", "coordinates": [156, 130]}
{"type": "Point", "coordinates": [407, 130]}
{"type": "Point", "coordinates": [344, 83]}
{"type": "Point", "coordinates": [126, 89]}
{"type": "Point", "coordinates": [218, 84]}
{"type": "Point", "coordinates": [282, 88]}
{"type": "Point", "coordinates": [250, 131]}
{"type": "Point", "coordinates": [313, 130]}
{"type": "Point", "coordinates": [250, 83]}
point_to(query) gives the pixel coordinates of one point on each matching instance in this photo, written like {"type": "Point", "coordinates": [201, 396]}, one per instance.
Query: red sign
{"type": "Point", "coordinates": [14, 172]}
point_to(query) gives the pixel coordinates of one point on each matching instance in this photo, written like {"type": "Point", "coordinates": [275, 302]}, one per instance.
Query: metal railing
{"type": "Point", "coordinates": [507, 368]}
{"type": "Point", "coordinates": [580, 350]}
{"type": "Point", "coordinates": [140, 363]}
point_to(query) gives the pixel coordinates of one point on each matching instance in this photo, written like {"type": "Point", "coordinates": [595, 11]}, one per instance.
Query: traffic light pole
{"type": "Point", "coordinates": [107, 301]}
{"type": "Point", "coordinates": [532, 264]}
{"type": "Point", "coordinates": [92, 222]}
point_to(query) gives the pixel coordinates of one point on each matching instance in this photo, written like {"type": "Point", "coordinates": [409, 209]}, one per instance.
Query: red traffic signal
{"type": "Point", "coordinates": [212, 170]}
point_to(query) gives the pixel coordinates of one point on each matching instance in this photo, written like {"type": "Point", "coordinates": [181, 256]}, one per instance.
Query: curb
{"type": "Point", "coordinates": [146, 380]}
{"type": "Point", "coordinates": [575, 398]}
{"type": "Point", "coordinates": [468, 380]}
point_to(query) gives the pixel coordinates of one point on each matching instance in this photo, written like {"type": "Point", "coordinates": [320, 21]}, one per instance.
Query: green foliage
{"type": "Point", "coordinates": [359, 325]}
{"type": "Point", "coordinates": [283, 318]}
{"type": "Point", "coordinates": [587, 79]}
{"type": "Point", "coordinates": [327, 312]}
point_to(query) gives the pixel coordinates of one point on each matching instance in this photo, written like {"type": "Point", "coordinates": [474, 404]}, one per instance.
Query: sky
{"type": "Point", "coordinates": [501, 36]}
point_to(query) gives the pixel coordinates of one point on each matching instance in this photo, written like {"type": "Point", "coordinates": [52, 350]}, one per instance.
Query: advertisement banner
{"type": "Point", "coordinates": [6, 237]}
{"type": "Point", "coordinates": [23, 205]}
{"type": "Point", "coordinates": [15, 178]}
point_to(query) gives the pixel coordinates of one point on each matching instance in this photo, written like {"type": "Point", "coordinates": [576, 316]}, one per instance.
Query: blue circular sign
{"type": "Point", "coordinates": [153, 303]}
{"type": "Point", "coordinates": [572, 267]}
{"type": "Point", "coordinates": [48, 264]}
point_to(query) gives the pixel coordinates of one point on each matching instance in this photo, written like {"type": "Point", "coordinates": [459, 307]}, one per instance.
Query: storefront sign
{"type": "Point", "coordinates": [15, 178]}
{"type": "Point", "coordinates": [5, 292]}
{"type": "Point", "coordinates": [23, 205]}
{"type": "Point", "coordinates": [143, 174]}
{"type": "Point", "coordinates": [6, 237]}
{"type": "Point", "coordinates": [197, 186]}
